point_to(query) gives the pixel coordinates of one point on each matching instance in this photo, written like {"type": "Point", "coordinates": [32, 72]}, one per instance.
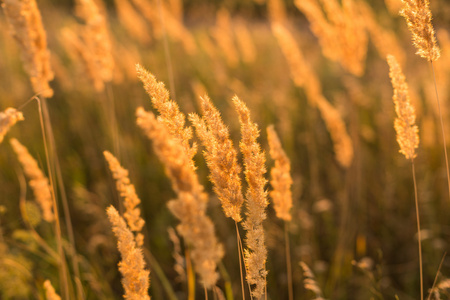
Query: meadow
{"type": "Point", "coordinates": [253, 149]}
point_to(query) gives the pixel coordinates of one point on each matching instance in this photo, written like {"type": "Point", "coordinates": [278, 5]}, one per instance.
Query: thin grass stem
{"type": "Point", "coordinates": [442, 129]}
{"type": "Point", "coordinates": [47, 130]}
{"type": "Point", "coordinates": [419, 237]}
{"type": "Point", "coordinates": [288, 262]}
{"type": "Point", "coordinates": [239, 245]}
{"type": "Point", "coordinates": [436, 277]}
{"type": "Point", "coordinates": [190, 275]}
{"type": "Point", "coordinates": [156, 267]}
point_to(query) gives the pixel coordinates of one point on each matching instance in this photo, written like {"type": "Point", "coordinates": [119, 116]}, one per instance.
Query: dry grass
{"type": "Point", "coordinates": [316, 70]}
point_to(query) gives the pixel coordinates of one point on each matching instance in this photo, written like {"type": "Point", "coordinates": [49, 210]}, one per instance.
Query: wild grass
{"type": "Point", "coordinates": [322, 199]}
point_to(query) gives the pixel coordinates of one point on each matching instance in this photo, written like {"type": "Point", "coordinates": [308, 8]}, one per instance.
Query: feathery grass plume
{"type": "Point", "coordinates": [292, 53]}
{"type": "Point", "coordinates": [310, 282]}
{"type": "Point", "coordinates": [340, 31]}
{"type": "Point", "coordinates": [8, 118]}
{"type": "Point", "coordinates": [26, 27]}
{"type": "Point", "coordinates": [342, 144]}
{"type": "Point", "coordinates": [256, 201]}
{"type": "Point", "coordinates": [132, 21]}
{"type": "Point", "coordinates": [176, 254]}
{"type": "Point", "coordinates": [245, 43]}
{"type": "Point", "coordinates": [190, 207]}
{"type": "Point", "coordinates": [221, 158]}
{"type": "Point", "coordinates": [135, 279]}
{"type": "Point", "coordinates": [223, 35]}
{"type": "Point", "coordinates": [276, 10]}
{"type": "Point", "coordinates": [281, 178]}
{"type": "Point", "coordinates": [407, 131]}
{"type": "Point", "coordinates": [443, 285]}
{"type": "Point", "coordinates": [96, 38]}
{"type": "Point", "coordinates": [303, 76]}
{"type": "Point", "coordinates": [76, 49]}
{"type": "Point", "coordinates": [50, 293]}
{"type": "Point", "coordinates": [131, 199]}
{"type": "Point", "coordinates": [384, 40]}
{"type": "Point", "coordinates": [418, 18]}
{"type": "Point", "coordinates": [169, 111]}
{"type": "Point", "coordinates": [38, 181]}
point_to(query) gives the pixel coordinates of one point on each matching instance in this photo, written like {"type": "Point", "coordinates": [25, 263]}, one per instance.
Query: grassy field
{"type": "Point", "coordinates": [315, 70]}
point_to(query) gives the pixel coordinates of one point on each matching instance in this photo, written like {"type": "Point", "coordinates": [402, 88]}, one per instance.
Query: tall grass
{"type": "Point", "coordinates": [334, 192]}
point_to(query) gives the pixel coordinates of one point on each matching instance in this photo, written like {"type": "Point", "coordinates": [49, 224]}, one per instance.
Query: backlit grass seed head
{"type": "Point", "coordinates": [309, 281]}
{"type": "Point", "coordinates": [281, 178]}
{"type": "Point", "coordinates": [50, 293]}
{"type": "Point", "coordinates": [128, 192]}
{"type": "Point", "coordinates": [169, 111]}
{"type": "Point", "coordinates": [342, 143]}
{"type": "Point", "coordinates": [26, 27]}
{"type": "Point", "coordinates": [37, 180]}
{"type": "Point", "coordinates": [135, 279]}
{"type": "Point", "coordinates": [8, 118]}
{"type": "Point", "coordinates": [190, 207]}
{"type": "Point", "coordinates": [407, 130]}
{"type": "Point", "coordinates": [96, 38]}
{"type": "Point", "coordinates": [418, 18]}
{"type": "Point", "coordinates": [255, 256]}
{"type": "Point", "coordinates": [221, 158]}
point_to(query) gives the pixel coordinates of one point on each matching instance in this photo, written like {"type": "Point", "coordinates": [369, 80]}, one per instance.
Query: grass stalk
{"type": "Point", "coordinates": [436, 277]}
{"type": "Point", "coordinates": [419, 237]}
{"type": "Point", "coordinates": [190, 276]}
{"type": "Point", "coordinates": [239, 246]}
{"type": "Point", "coordinates": [228, 285]}
{"type": "Point", "coordinates": [288, 262]}
{"type": "Point", "coordinates": [111, 106]}
{"type": "Point", "coordinates": [442, 129]}
{"type": "Point", "coordinates": [156, 268]}
{"type": "Point", "coordinates": [46, 130]}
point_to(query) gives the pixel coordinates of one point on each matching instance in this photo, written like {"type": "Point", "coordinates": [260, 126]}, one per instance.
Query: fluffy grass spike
{"type": "Point", "coordinates": [407, 131]}
{"type": "Point", "coordinates": [418, 18]}
{"type": "Point", "coordinates": [26, 27]}
{"type": "Point", "coordinates": [128, 192]}
{"type": "Point", "coordinates": [221, 158]}
{"type": "Point", "coordinates": [8, 118]}
{"type": "Point", "coordinates": [281, 178]}
{"type": "Point", "coordinates": [190, 207]}
{"type": "Point", "coordinates": [38, 181]}
{"type": "Point", "coordinates": [256, 201]}
{"type": "Point", "coordinates": [50, 293]}
{"type": "Point", "coordinates": [135, 279]}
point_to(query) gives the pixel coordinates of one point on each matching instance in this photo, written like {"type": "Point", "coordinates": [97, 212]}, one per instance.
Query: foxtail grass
{"type": "Point", "coordinates": [8, 118]}
{"type": "Point", "coordinates": [135, 279]}
{"type": "Point", "coordinates": [407, 136]}
{"type": "Point", "coordinates": [418, 19]}
{"type": "Point", "coordinates": [281, 194]}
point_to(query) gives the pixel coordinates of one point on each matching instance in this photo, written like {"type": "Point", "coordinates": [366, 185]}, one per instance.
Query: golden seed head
{"type": "Point", "coordinates": [281, 178]}
{"type": "Point", "coordinates": [8, 118]}
{"type": "Point", "coordinates": [26, 26]}
{"type": "Point", "coordinates": [38, 181]}
{"type": "Point", "coordinates": [221, 158]}
{"type": "Point", "coordinates": [407, 130]}
{"type": "Point", "coordinates": [135, 279]}
{"type": "Point", "coordinates": [418, 18]}
{"type": "Point", "coordinates": [255, 255]}
{"type": "Point", "coordinates": [128, 192]}
{"type": "Point", "coordinates": [50, 293]}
